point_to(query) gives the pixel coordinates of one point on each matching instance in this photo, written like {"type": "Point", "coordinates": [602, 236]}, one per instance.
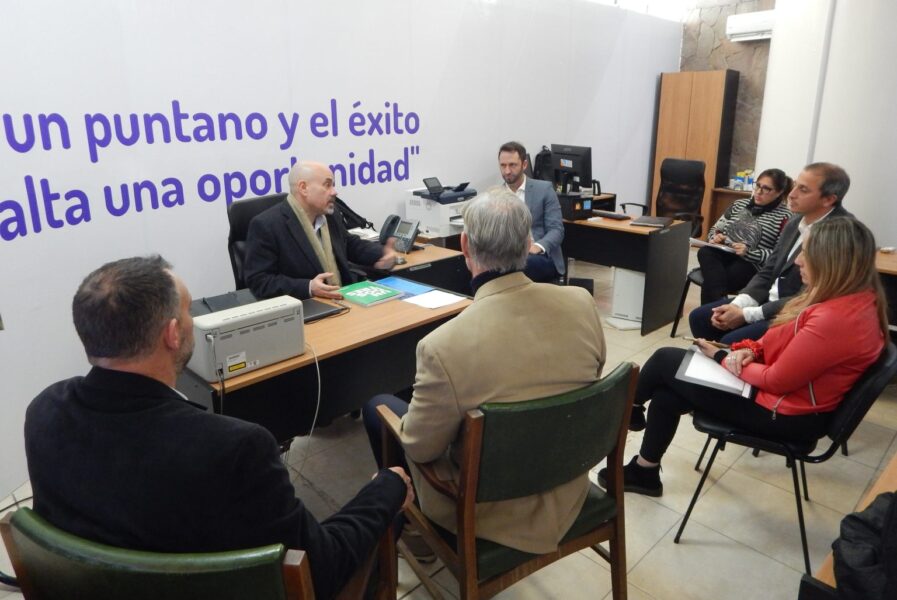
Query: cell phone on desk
{"type": "Point", "coordinates": [404, 230]}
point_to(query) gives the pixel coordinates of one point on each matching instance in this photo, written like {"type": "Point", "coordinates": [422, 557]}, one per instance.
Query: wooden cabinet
{"type": "Point", "coordinates": [695, 119]}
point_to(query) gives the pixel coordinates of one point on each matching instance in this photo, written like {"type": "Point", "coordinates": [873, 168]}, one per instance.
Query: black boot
{"type": "Point", "coordinates": [637, 479]}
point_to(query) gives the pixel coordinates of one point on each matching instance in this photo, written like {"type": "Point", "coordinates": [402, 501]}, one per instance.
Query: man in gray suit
{"type": "Point", "coordinates": [545, 261]}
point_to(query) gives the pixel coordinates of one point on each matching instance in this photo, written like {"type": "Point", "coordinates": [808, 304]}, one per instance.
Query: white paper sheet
{"type": "Point", "coordinates": [434, 299]}
{"type": "Point", "coordinates": [706, 371]}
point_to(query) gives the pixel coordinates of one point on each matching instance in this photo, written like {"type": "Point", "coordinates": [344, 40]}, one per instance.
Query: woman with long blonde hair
{"type": "Point", "coordinates": [817, 347]}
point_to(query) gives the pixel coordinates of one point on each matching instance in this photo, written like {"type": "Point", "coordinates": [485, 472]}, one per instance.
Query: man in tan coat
{"type": "Point", "coordinates": [519, 340]}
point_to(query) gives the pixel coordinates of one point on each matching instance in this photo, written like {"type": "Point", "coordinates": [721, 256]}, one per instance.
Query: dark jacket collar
{"type": "Point", "coordinates": [484, 278]}
{"type": "Point", "coordinates": [109, 390]}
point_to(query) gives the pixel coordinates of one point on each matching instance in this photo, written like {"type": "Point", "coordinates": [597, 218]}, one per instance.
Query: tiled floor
{"type": "Point", "coordinates": [742, 540]}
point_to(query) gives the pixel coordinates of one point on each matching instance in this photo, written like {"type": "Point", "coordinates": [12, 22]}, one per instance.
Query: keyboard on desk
{"type": "Point", "coordinates": [611, 215]}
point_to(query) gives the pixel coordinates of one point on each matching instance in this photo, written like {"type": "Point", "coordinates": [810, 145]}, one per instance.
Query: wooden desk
{"type": "Point", "coordinates": [661, 254]}
{"type": "Point", "coordinates": [360, 353]}
{"type": "Point", "coordinates": [887, 482]}
{"type": "Point", "coordinates": [437, 266]}
{"type": "Point", "coordinates": [886, 263]}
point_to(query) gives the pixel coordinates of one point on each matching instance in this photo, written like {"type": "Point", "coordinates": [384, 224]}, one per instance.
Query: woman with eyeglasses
{"type": "Point", "coordinates": [750, 228]}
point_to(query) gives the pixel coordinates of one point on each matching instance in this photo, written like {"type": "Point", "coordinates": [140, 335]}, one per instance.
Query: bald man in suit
{"type": "Point", "coordinates": [301, 247]}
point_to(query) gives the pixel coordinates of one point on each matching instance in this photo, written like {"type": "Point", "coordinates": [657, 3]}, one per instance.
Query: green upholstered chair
{"type": "Point", "coordinates": [53, 564]}
{"type": "Point", "coordinates": [511, 450]}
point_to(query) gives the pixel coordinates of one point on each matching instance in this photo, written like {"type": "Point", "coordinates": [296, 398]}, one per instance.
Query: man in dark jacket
{"type": "Point", "coordinates": [301, 247]}
{"type": "Point", "coordinates": [121, 457]}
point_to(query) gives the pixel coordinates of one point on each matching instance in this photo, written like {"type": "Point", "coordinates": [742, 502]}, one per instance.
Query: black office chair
{"type": "Point", "coordinates": [239, 214]}
{"type": "Point", "coordinates": [680, 194]}
{"type": "Point", "coordinates": [681, 191]}
{"type": "Point", "coordinates": [842, 423]}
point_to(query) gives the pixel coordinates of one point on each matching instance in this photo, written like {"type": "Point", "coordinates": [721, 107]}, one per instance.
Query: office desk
{"type": "Point", "coordinates": [437, 266]}
{"type": "Point", "coordinates": [886, 263]}
{"type": "Point", "coordinates": [361, 353]}
{"type": "Point", "coordinates": [661, 254]}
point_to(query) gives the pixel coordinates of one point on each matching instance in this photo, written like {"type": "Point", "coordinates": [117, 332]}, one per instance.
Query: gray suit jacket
{"type": "Point", "coordinates": [781, 266]}
{"type": "Point", "coordinates": [548, 226]}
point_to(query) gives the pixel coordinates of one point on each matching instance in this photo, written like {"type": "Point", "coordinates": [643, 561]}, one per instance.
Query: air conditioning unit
{"type": "Point", "coordinates": [752, 26]}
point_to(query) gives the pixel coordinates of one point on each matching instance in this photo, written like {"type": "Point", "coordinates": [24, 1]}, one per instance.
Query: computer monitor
{"type": "Point", "coordinates": [572, 168]}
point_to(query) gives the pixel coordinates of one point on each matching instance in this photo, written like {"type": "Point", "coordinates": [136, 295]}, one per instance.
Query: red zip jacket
{"type": "Point", "coordinates": [834, 343]}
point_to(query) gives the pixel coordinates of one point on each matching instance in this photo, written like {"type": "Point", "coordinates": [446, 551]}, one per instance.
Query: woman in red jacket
{"type": "Point", "coordinates": [815, 350]}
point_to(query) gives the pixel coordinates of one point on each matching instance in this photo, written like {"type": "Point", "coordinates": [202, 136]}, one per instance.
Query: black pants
{"type": "Point", "coordinates": [699, 321]}
{"type": "Point", "coordinates": [373, 428]}
{"type": "Point", "coordinates": [671, 398]}
{"type": "Point", "coordinates": [724, 273]}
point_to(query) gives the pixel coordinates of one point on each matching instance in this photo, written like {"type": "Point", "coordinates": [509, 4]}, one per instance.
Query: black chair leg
{"type": "Point", "coordinates": [756, 452]}
{"type": "Point", "coordinates": [800, 516]}
{"type": "Point", "coordinates": [703, 452]}
{"type": "Point", "coordinates": [803, 476]}
{"type": "Point", "coordinates": [681, 306]}
{"type": "Point", "coordinates": [694, 499]}
{"type": "Point", "coordinates": [844, 448]}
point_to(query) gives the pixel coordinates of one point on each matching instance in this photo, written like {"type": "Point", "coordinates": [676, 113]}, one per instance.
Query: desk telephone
{"type": "Point", "coordinates": [405, 232]}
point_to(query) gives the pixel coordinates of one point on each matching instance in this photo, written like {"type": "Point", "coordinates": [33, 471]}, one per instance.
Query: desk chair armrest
{"type": "Point", "coordinates": [390, 426]}
{"type": "Point", "coordinates": [446, 488]}
{"type": "Point", "coordinates": [642, 207]}
{"type": "Point", "coordinates": [390, 421]}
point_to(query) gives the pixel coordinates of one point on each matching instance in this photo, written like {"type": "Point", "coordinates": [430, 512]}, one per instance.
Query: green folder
{"type": "Point", "coordinates": [368, 293]}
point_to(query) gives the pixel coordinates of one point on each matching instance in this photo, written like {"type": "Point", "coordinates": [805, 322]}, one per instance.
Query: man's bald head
{"type": "Point", "coordinates": [311, 183]}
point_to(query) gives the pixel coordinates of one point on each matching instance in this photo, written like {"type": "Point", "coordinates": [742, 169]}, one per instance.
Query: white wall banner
{"type": "Point", "coordinates": [128, 128]}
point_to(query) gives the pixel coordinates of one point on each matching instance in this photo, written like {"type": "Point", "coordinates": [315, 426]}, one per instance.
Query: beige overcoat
{"type": "Point", "coordinates": [519, 340]}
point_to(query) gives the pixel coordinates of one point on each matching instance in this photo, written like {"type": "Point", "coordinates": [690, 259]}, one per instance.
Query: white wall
{"type": "Point", "coordinates": [476, 72]}
{"type": "Point", "coordinates": [833, 99]}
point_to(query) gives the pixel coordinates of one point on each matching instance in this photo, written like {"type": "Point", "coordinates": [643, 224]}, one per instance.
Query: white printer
{"type": "Point", "coordinates": [436, 219]}
{"type": "Point", "coordinates": [241, 339]}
